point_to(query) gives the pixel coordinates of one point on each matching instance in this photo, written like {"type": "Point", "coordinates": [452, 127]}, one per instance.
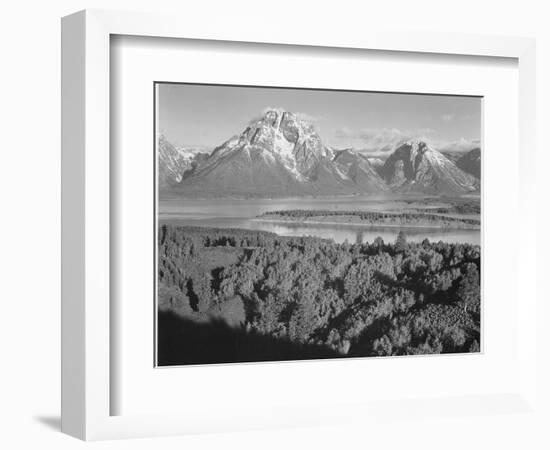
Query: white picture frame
{"type": "Point", "coordinates": [86, 322]}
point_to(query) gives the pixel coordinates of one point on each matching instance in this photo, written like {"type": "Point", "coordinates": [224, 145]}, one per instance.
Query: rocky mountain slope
{"type": "Point", "coordinates": [277, 155]}
{"type": "Point", "coordinates": [471, 162]}
{"type": "Point", "coordinates": [174, 163]}
{"type": "Point", "coordinates": [358, 168]}
{"type": "Point", "coordinates": [416, 167]}
{"type": "Point", "coordinates": [452, 156]}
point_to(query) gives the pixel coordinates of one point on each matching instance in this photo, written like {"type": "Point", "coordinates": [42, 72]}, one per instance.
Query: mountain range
{"type": "Point", "coordinates": [279, 155]}
{"type": "Point", "coordinates": [415, 166]}
{"type": "Point", "coordinates": [174, 163]}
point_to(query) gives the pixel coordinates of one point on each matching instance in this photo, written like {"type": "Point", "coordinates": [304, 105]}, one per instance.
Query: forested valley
{"type": "Point", "coordinates": [233, 295]}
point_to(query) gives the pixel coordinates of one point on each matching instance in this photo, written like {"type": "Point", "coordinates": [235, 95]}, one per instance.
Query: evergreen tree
{"type": "Point", "coordinates": [468, 288]}
{"type": "Point", "coordinates": [401, 242]}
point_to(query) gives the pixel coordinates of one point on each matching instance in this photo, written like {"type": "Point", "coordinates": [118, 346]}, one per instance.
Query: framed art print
{"type": "Point", "coordinates": [263, 230]}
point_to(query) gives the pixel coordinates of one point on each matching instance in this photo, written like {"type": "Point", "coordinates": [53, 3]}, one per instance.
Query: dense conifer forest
{"type": "Point", "coordinates": [228, 295]}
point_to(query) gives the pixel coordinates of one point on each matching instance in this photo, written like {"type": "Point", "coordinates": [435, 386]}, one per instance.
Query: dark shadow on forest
{"type": "Point", "coordinates": [183, 341]}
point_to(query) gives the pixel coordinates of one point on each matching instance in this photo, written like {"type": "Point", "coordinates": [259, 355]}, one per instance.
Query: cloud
{"type": "Point", "coordinates": [345, 132]}
{"type": "Point", "coordinates": [272, 108]}
{"type": "Point", "coordinates": [380, 142]}
{"type": "Point", "coordinates": [300, 115]}
{"type": "Point", "coordinates": [306, 117]}
{"type": "Point", "coordinates": [459, 145]}
{"type": "Point", "coordinates": [462, 117]}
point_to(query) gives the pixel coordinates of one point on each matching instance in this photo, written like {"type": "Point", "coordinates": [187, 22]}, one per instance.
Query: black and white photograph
{"type": "Point", "coordinates": [299, 224]}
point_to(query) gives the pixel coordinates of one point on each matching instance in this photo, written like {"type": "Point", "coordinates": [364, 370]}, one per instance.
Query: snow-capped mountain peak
{"type": "Point", "coordinates": [414, 165]}
{"type": "Point", "coordinates": [279, 135]}
{"type": "Point", "coordinates": [278, 153]}
{"type": "Point", "coordinates": [287, 132]}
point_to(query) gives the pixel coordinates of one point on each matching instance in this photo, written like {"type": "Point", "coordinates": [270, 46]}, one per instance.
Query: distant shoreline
{"type": "Point", "coordinates": [368, 225]}
{"type": "Point", "coordinates": [394, 196]}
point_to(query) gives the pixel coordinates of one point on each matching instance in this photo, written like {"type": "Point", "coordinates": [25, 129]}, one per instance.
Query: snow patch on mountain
{"type": "Point", "coordinates": [416, 166]}
{"type": "Point", "coordinates": [287, 139]}
{"type": "Point", "coordinates": [175, 162]}
{"type": "Point", "coordinates": [279, 154]}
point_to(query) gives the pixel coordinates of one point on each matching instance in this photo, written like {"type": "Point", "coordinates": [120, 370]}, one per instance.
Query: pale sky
{"type": "Point", "coordinates": [205, 116]}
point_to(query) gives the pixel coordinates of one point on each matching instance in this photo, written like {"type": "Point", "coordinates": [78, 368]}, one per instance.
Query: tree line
{"type": "Point", "coordinates": [373, 216]}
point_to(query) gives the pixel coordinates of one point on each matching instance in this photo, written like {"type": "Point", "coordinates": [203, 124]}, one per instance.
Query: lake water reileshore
{"type": "Point", "coordinates": [362, 224]}
{"type": "Point", "coordinates": [245, 214]}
